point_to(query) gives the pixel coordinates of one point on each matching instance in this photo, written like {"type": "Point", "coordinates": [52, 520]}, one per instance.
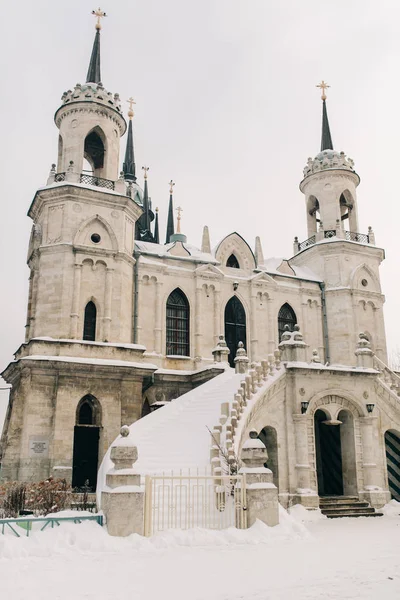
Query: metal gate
{"type": "Point", "coordinates": [185, 501]}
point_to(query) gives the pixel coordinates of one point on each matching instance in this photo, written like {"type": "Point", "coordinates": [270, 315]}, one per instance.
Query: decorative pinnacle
{"type": "Point", "coordinates": [156, 209]}
{"type": "Point", "coordinates": [99, 14]}
{"type": "Point", "coordinates": [131, 102]}
{"type": "Point", "coordinates": [145, 169]}
{"type": "Point", "coordinates": [323, 86]}
{"type": "Point", "coordinates": [179, 210]}
{"type": "Point", "coordinates": [171, 187]}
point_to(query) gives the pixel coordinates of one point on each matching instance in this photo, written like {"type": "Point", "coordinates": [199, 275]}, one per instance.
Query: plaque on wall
{"type": "Point", "coordinates": [38, 446]}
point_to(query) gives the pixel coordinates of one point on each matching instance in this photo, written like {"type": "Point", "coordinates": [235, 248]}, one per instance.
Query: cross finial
{"type": "Point", "coordinates": [99, 14]}
{"type": "Point", "coordinates": [323, 86]}
{"type": "Point", "coordinates": [179, 210]}
{"type": "Point", "coordinates": [131, 102]}
{"type": "Point", "coordinates": [171, 187]}
{"type": "Point", "coordinates": [145, 169]}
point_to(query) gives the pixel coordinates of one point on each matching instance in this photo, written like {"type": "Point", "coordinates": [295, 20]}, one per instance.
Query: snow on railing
{"type": "Point", "coordinates": [237, 413]}
{"type": "Point", "coordinates": [387, 376]}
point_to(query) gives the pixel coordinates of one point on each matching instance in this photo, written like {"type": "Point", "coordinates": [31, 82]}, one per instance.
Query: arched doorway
{"type": "Point", "coordinates": [286, 316]}
{"type": "Point", "coordinates": [335, 454]}
{"type": "Point", "coordinates": [269, 438]}
{"type": "Point", "coordinates": [235, 326]}
{"type": "Point", "coordinates": [86, 443]}
{"type": "Point", "coordinates": [392, 447]}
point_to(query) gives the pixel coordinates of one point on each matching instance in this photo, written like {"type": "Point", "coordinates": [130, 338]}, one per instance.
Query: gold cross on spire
{"type": "Point", "coordinates": [179, 210]}
{"type": "Point", "coordinates": [99, 14]}
{"type": "Point", "coordinates": [145, 169]}
{"type": "Point", "coordinates": [131, 102]}
{"type": "Point", "coordinates": [171, 187]}
{"type": "Point", "coordinates": [323, 87]}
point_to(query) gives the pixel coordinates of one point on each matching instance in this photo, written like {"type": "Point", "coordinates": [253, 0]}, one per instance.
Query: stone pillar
{"type": "Point", "coordinates": [122, 500]}
{"type": "Point", "coordinates": [304, 494]}
{"type": "Point", "coordinates": [272, 326]}
{"type": "Point", "coordinates": [76, 292]}
{"type": "Point", "coordinates": [365, 356]}
{"type": "Point", "coordinates": [221, 352]}
{"type": "Point", "coordinates": [197, 323]}
{"type": "Point", "coordinates": [372, 492]}
{"type": "Point", "coordinates": [261, 493]}
{"type": "Point", "coordinates": [241, 360]}
{"type": "Point", "coordinates": [52, 175]}
{"type": "Point", "coordinates": [158, 318]}
{"type": "Point", "coordinates": [107, 305]}
{"type": "Point", "coordinates": [217, 316]}
{"type": "Point", "coordinates": [253, 326]}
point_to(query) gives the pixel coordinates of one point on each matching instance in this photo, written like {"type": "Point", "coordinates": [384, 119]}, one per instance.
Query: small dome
{"type": "Point", "coordinates": [328, 159]}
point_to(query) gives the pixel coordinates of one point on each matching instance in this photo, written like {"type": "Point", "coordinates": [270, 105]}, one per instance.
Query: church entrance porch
{"type": "Point", "coordinates": [335, 454]}
{"type": "Point", "coordinates": [235, 327]}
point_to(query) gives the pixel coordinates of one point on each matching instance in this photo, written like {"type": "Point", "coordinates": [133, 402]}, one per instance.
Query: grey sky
{"type": "Point", "coordinates": [226, 106]}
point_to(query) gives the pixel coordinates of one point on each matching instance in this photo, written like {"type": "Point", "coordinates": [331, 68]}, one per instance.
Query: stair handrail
{"type": "Point", "coordinates": [394, 379]}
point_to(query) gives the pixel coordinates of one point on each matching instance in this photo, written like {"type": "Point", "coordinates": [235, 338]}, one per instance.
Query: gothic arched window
{"type": "Point", "coordinates": [286, 316]}
{"type": "Point", "coordinates": [85, 415]}
{"type": "Point", "coordinates": [233, 262]}
{"type": "Point", "coordinates": [89, 325]}
{"type": "Point", "coordinates": [178, 324]}
{"type": "Point", "coordinates": [94, 149]}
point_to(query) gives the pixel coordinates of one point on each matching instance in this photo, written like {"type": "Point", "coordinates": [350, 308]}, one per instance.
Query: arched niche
{"type": "Point", "coordinates": [94, 150]}
{"type": "Point", "coordinates": [235, 326]}
{"type": "Point", "coordinates": [234, 244]}
{"type": "Point", "coordinates": [95, 233]}
{"type": "Point", "coordinates": [232, 262]}
{"type": "Point", "coordinates": [269, 437]}
{"type": "Point", "coordinates": [348, 211]}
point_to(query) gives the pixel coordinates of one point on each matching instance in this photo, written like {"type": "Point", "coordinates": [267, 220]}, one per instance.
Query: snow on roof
{"type": "Point", "coordinates": [162, 251]}
{"type": "Point", "coordinates": [271, 266]}
{"type": "Point", "coordinates": [175, 437]}
{"type": "Point", "coordinates": [91, 343]}
{"type": "Point", "coordinates": [91, 361]}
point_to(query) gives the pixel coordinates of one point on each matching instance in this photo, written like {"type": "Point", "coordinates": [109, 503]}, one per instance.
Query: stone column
{"type": "Point", "coordinates": [261, 493]}
{"type": "Point", "coordinates": [197, 323]}
{"type": "Point", "coordinates": [107, 305]}
{"type": "Point", "coordinates": [123, 499]}
{"type": "Point", "coordinates": [304, 494]}
{"type": "Point", "coordinates": [217, 316]}
{"type": "Point", "coordinates": [76, 292]}
{"type": "Point", "coordinates": [253, 325]}
{"type": "Point", "coordinates": [372, 492]}
{"type": "Point", "coordinates": [272, 326]}
{"type": "Point", "coordinates": [158, 318]}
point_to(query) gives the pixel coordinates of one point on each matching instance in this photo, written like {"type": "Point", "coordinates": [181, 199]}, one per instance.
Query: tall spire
{"type": "Point", "coordinates": [129, 167]}
{"type": "Point", "coordinates": [326, 138]}
{"type": "Point", "coordinates": [93, 74]}
{"type": "Point", "coordinates": [146, 203]}
{"type": "Point", "coordinates": [170, 221]}
{"type": "Point", "coordinates": [156, 232]}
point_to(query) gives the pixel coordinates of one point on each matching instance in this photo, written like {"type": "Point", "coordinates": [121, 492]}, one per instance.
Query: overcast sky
{"type": "Point", "coordinates": [226, 106]}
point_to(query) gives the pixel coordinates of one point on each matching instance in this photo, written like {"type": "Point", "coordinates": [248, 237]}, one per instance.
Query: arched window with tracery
{"type": "Point", "coordinates": [178, 315]}
{"type": "Point", "coordinates": [89, 324]}
{"type": "Point", "coordinates": [233, 262]}
{"type": "Point", "coordinates": [286, 316]}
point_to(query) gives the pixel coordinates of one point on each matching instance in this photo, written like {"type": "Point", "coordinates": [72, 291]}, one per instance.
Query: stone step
{"type": "Point", "coordinates": [347, 511]}
{"type": "Point", "coordinates": [343, 505]}
{"type": "Point", "coordinates": [338, 498]}
{"type": "Point", "coordinates": [336, 515]}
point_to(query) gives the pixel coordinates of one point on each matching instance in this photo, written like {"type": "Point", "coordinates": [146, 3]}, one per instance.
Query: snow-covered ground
{"type": "Point", "coordinates": [321, 558]}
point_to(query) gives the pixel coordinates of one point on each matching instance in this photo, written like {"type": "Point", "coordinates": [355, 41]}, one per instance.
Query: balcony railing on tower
{"type": "Point", "coordinates": [97, 181]}
{"type": "Point", "coordinates": [350, 236]}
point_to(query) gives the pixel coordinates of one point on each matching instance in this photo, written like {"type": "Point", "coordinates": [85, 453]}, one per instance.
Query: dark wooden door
{"type": "Point", "coordinates": [86, 456]}
{"type": "Point", "coordinates": [235, 326]}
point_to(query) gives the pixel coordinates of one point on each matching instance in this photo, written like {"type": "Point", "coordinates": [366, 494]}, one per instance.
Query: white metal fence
{"type": "Point", "coordinates": [186, 501]}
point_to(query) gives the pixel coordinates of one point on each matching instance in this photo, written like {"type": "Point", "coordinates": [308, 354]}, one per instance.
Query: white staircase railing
{"type": "Point", "coordinates": [388, 377]}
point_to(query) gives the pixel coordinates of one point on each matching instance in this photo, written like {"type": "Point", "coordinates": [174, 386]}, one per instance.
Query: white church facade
{"type": "Point", "coordinates": [120, 324]}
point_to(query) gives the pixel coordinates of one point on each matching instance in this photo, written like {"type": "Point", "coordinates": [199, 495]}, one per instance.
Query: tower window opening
{"type": "Point", "coordinates": [178, 324]}
{"type": "Point", "coordinates": [89, 326]}
{"type": "Point", "coordinates": [286, 316]}
{"type": "Point", "coordinates": [233, 262]}
{"type": "Point", "coordinates": [94, 150]}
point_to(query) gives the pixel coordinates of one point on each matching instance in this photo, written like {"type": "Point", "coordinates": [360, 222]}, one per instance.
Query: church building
{"type": "Point", "coordinates": [121, 323]}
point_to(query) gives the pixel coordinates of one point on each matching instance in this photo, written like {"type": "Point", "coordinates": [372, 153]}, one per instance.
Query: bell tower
{"type": "Point", "coordinates": [346, 260]}
{"type": "Point", "coordinates": [91, 124]}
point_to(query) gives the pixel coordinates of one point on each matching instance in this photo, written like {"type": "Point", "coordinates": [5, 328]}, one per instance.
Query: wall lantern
{"type": "Point", "coordinates": [235, 285]}
{"type": "Point", "coordinates": [370, 407]}
{"type": "Point", "coordinates": [304, 406]}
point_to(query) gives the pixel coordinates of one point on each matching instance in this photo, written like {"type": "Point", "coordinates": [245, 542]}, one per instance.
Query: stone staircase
{"type": "Point", "coordinates": [346, 506]}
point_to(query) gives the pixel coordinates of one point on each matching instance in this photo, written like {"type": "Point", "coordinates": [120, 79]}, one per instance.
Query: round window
{"type": "Point", "coordinates": [95, 238]}
{"type": "Point", "coordinates": [364, 282]}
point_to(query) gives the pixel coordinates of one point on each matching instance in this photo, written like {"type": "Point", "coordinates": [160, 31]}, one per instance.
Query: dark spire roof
{"type": "Point", "coordinates": [326, 139]}
{"type": "Point", "coordinates": [93, 74]}
{"type": "Point", "coordinates": [146, 207]}
{"type": "Point", "coordinates": [170, 221]}
{"type": "Point", "coordinates": [129, 167]}
{"type": "Point", "coordinates": [156, 232]}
